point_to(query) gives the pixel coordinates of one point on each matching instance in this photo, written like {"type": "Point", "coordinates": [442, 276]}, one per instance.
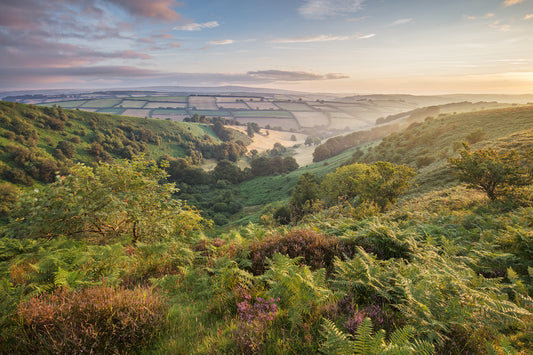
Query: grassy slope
{"type": "Point", "coordinates": [438, 139]}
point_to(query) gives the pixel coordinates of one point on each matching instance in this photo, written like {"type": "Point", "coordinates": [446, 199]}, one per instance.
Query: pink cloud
{"type": "Point", "coordinates": [156, 9]}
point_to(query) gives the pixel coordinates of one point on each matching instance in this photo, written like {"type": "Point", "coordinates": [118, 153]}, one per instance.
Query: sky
{"type": "Point", "coordinates": [329, 46]}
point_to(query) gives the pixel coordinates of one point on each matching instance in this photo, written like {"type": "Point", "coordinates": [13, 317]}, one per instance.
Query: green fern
{"type": "Point", "coordinates": [363, 343]}
{"type": "Point", "coordinates": [300, 290]}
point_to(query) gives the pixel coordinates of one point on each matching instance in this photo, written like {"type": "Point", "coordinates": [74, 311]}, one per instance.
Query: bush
{"type": "Point", "coordinates": [317, 250]}
{"type": "Point", "coordinates": [94, 320]}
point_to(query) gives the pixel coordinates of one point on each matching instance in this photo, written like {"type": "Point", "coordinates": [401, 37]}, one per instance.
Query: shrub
{"type": "Point", "coordinates": [317, 250]}
{"type": "Point", "coordinates": [94, 320]}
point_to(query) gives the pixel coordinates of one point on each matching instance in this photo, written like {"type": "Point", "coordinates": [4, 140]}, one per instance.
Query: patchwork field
{"type": "Point", "coordinates": [203, 102]}
{"type": "Point", "coordinates": [287, 112]}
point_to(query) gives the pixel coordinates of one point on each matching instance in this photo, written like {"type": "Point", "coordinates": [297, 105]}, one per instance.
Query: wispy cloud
{"type": "Point", "coordinates": [282, 75]}
{"type": "Point", "coordinates": [221, 42]}
{"type": "Point", "coordinates": [500, 26]}
{"type": "Point", "coordinates": [402, 21]}
{"type": "Point", "coordinates": [321, 38]}
{"type": "Point", "coordinates": [196, 26]}
{"type": "Point", "coordinates": [528, 17]}
{"type": "Point", "coordinates": [512, 2]}
{"type": "Point", "coordinates": [319, 9]}
{"type": "Point", "coordinates": [308, 39]}
{"type": "Point", "coordinates": [485, 17]}
{"type": "Point", "coordinates": [362, 36]}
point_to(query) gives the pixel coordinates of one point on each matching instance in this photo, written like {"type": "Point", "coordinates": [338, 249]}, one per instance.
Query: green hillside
{"type": "Point", "coordinates": [427, 145]}
{"type": "Point", "coordinates": [36, 142]}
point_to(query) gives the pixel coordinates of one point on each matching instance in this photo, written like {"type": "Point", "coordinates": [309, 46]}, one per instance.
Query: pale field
{"type": "Point", "coordinates": [233, 105]}
{"type": "Point", "coordinates": [136, 112]}
{"type": "Point", "coordinates": [89, 109]}
{"type": "Point", "coordinates": [262, 142]}
{"type": "Point", "coordinates": [258, 105]}
{"type": "Point", "coordinates": [203, 102]}
{"type": "Point", "coordinates": [311, 119]}
{"type": "Point", "coordinates": [165, 105]}
{"type": "Point", "coordinates": [131, 104]}
{"type": "Point", "coordinates": [285, 123]}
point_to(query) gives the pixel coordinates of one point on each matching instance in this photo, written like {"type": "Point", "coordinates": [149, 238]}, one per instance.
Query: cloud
{"type": "Point", "coordinates": [221, 42]}
{"type": "Point", "coordinates": [512, 2]}
{"type": "Point", "coordinates": [161, 10]}
{"type": "Point", "coordinates": [196, 26]}
{"type": "Point", "coordinates": [282, 75]}
{"type": "Point", "coordinates": [501, 27]}
{"type": "Point", "coordinates": [308, 39]}
{"type": "Point", "coordinates": [361, 36]}
{"type": "Point", "coordinates": [528, 17]}
{"type": "Point", "coordinates": [485, 17]}
{"type": "Point", "coordinates": [321, 38]}
{"type": "Point", "coordinates": [319, 9]}
{"type": "Point", "coordinates": [94, 76]}
{"type": "Point", "coordinates": [402, 21]}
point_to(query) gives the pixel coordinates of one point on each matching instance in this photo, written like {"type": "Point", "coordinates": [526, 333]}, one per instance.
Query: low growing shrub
{"type": "Point", "coordinates": [93, 320]}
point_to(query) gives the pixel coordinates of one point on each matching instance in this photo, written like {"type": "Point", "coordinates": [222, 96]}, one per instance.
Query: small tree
{"type": "Point", "coordinates": [492, 171]}
{"type": "Point", "coordinates": [123, 200]}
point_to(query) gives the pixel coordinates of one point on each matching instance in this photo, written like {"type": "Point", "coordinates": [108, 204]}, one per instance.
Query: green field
{"type": "Point", "coordinates": [131, 104]}
{"type": "Point", "coordinates": [101, 103]}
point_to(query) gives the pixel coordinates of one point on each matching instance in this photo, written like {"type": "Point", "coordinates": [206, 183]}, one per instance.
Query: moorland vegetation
{"type": "Point", "coordinates": [356, 260]}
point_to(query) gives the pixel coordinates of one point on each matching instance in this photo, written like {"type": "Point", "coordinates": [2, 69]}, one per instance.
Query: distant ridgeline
{"type": "Point", "coordinates": [39, 142]}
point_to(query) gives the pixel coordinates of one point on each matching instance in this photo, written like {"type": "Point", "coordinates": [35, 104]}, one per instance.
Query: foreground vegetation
{"type": "Point", "coordinates": [106, 259]}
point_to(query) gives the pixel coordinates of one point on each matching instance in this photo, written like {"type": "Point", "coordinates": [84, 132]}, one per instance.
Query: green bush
{"type": "Point", "coordinates": [93, 320]}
